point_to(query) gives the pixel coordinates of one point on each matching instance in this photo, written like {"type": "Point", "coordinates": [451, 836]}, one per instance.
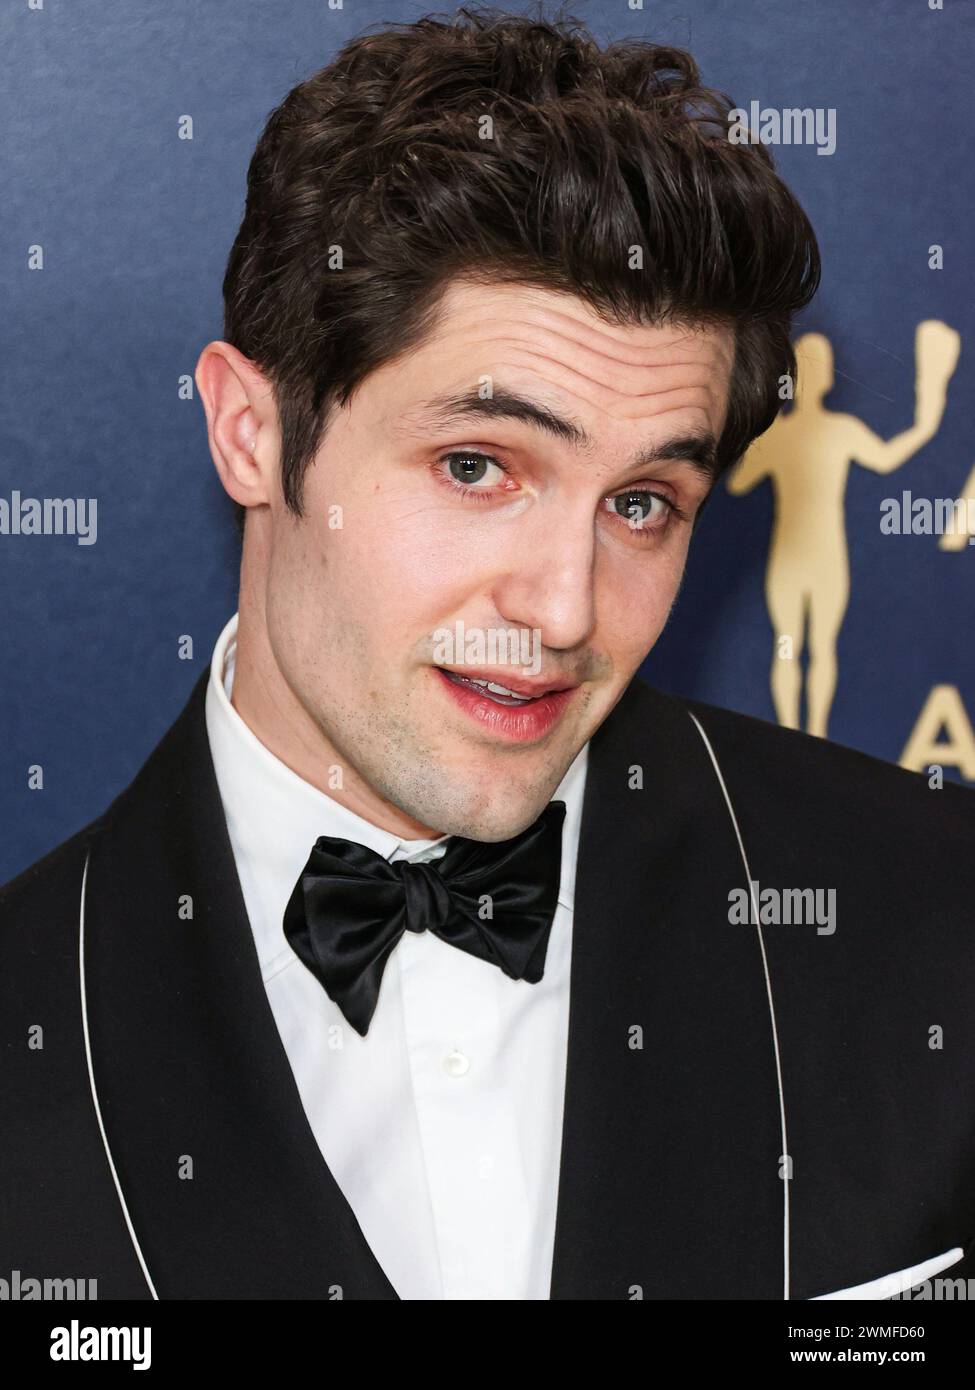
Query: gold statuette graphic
{"type": "Point", "coordinates": [807, 455]}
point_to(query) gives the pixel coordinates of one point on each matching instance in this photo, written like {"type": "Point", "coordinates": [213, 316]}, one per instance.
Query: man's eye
{"type": "Point", "coordinates": [471, 468]}
{"type": "Point", "coordinates": [640, 510]}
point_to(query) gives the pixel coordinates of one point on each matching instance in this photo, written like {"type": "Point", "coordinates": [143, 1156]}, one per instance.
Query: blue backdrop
{"type": "Point", "coordinates": [134, 224]}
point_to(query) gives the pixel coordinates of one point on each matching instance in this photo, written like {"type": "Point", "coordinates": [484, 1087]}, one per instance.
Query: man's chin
{"type": "Point", "coordinates": [484, 815]}
{"type": "Point", "coordinates": [494, 829]}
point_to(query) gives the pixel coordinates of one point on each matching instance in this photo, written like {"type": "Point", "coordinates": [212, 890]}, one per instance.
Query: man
{"type": "Point", "coordinates": [432, 953]}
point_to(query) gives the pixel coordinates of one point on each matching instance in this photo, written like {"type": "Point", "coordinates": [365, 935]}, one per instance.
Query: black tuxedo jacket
{"type": "Point", "coordinates": [692, 1040]}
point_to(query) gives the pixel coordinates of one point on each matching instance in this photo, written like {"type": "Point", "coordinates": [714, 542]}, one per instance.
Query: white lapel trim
{"type": "Point", "coordinates": [786, 1248]}
{"type": "Point", "coordinates": [94, 1090]}
{"type": "Point", "coordinates": [892, 1284]}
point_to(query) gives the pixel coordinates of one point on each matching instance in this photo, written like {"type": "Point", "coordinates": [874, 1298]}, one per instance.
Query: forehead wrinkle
{"type": "Point", "coordinates": [509, 403]}
{"type": "Point", "coordinates": [643, 357]}
{"type": "Point", "coordinates": [612, 386]}
{"type": "Point", "coordinates": [600, 395]}
{"type": "Point", "coordinates": [588, 325]}
{"type": "Point", "coordinates": [608, 383]}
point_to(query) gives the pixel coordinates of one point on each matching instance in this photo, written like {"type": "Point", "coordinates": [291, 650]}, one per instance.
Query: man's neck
{"type": "Point", "coordinates": [274, 714]}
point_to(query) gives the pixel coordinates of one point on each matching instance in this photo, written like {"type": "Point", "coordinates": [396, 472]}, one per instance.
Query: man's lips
{"type": "Point", "coordinates": [517, 719]}
{"type": "Point", "coordinates": [504, 683]}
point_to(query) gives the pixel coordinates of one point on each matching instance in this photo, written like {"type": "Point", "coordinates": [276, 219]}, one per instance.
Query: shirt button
{"type": "Point", "coordinates": [456, 1064]}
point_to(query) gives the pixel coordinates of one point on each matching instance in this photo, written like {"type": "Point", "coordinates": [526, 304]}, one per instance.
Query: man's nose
{"type": "Point", "coordinates": [548, 579]}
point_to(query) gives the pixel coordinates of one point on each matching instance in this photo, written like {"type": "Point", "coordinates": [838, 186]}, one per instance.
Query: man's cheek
{"type": "Point", "coordinates": [409, 552]}
{"type": "Point", "coordinates": [636, 609]}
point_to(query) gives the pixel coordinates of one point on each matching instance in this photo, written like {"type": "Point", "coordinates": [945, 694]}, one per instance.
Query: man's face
{"type": "Point", "coordinates": [417, 520]}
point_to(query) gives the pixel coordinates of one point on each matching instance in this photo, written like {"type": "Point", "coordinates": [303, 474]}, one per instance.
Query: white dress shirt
{"type": "Point", "coordinates": [443, 1125]}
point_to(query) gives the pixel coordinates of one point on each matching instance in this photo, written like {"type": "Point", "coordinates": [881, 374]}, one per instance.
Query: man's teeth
{"type": "Point", "coordinates": [498, 689]}
{"type": "Point", "coordinates": [491, 688]}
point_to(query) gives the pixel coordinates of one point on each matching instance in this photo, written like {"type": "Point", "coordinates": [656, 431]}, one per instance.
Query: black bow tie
{"type": "Point", "coordinates": [495, 900]}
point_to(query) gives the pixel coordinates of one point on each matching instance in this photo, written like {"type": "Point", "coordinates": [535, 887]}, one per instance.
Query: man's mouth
{"type": "Point", "coordinates": [518, 693]}
{"type": "Point", "coordinates": [517, 709]}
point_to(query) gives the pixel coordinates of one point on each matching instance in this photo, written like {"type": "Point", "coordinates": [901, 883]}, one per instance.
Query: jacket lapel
{"type": "Point", "coordinates": [670, 1183]}
{"type": "Point", "coordinates": [224, 1182]}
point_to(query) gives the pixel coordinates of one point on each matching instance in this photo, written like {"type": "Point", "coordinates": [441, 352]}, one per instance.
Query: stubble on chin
{"type": "Point", "coordinates": [500, 793]}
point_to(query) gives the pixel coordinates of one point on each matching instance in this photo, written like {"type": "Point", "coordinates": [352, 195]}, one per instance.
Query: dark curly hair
{"type": "Point", "coordinates": [372, 187]}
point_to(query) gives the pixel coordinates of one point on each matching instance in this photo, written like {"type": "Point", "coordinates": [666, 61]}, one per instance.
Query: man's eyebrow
{"type": "Point", "coordinates": [697, 449]}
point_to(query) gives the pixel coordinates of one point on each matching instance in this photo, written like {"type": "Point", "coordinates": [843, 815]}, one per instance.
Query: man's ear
{"type": "Point", "coordinates": [242, 424]}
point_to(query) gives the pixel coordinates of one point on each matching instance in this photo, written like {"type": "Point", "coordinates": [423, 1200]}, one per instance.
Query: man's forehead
{"type": "Point", "coordinates": [542, 359]}
{"type": "Point", "coordinates": [575, 414]}
{"type": "Point", "coordinates": [488, 313]}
